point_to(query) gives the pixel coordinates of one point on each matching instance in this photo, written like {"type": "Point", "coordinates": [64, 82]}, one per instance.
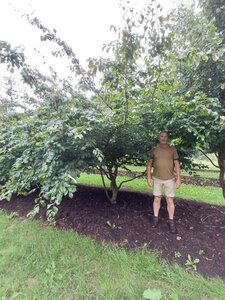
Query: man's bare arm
{"type": "Point", "coordinates": [178, 173]}
{"type": "Point", "coordinates": [149, 168]}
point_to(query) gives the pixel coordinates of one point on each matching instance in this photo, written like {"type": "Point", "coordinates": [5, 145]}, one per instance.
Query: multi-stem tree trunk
{"type": "Point", "coordinates": [114, 190]}
{"type": "Point", "coordinates": [220, 154]}
{"type": "Point", "coordinates": [221, 163]}
{"type": "Point", "coordinates": [111, 173]}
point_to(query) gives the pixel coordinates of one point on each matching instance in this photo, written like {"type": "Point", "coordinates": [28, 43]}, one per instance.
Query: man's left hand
{"type": "Point", "coordinates": [178, 183]}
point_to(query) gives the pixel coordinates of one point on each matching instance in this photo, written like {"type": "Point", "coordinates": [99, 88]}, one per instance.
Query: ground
{"type": "Point", "coordinates": [201, 227]}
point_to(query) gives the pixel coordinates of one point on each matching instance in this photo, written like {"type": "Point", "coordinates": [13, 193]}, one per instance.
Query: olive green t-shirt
{"type": "Point", "coordinates": [163, 161]}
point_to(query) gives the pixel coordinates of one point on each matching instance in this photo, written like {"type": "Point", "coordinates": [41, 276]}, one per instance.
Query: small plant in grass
{"type": "Point", "coordinates": [191, 263]}
{"type": "Point", "coordinates": [152, 294]}
{"type": "Point", "coordinates": [52, 274]}
{"type": "Point", "coordinates": [173, 296]}
{"type": "Point", "coordinates": [200, 252]}
{"type": "Point", "coordinates": [112, 225]}
{"type": "Point", "coordinates": [13, 215]}
{"type": "Point", "coordinates": [177, 254]}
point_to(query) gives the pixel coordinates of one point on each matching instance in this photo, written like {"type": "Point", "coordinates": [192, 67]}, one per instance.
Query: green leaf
{"type": "Point", "coordinates": [152, 294]}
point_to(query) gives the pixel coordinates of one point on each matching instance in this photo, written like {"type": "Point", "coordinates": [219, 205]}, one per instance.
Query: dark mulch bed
{"type": "Point", "coordinates": [201, 227]}
{"type": "Point", "coordinates": [201, 181]}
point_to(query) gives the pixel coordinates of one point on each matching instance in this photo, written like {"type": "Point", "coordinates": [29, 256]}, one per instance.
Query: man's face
{"type": "Point", "coordinates": [163, 138]}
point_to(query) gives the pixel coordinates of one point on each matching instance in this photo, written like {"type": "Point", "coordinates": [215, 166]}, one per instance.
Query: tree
{"type": "Point", "coordinates": [45, 152]}
{"type": "Point", "coordinates": [13, 57]}
{"type": "Point", "coordinates": [121, 134]}
{"type": "Point", "coordinates": [45, 149]}
{"type": "Point", "coordinates": [199, 45]}
{"type": "Point", "coordinates": [214, 10]}
{"type": "Point", "coordinates": [155, 79]}
{"type": "Point", "coordinates": [118, 134]}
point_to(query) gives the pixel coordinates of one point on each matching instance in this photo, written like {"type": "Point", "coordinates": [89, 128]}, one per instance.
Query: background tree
{"type": "Point", "coordinates": [45, 149]}
{"type": "Point", "coordinates": [199, 47]}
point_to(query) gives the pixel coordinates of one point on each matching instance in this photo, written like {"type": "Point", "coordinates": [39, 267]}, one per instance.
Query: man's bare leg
{"type": "Point", "coordinates": [156, 208]}
{"type": "Point", "coordinates": [171, 210]}
{"type": "Point", "coordinates": [170, 207]}
{"type": "Point", "coordinates": [156, 205]}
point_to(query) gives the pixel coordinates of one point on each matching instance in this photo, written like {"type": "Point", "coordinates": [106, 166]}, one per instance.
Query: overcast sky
{"type": "Point", "coordinates": [84, 24]}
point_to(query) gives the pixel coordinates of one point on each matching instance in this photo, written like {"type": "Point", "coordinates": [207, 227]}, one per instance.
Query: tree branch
{"type": "Point", "coordinates": [221, 161]}
{"type": "Point", "coordinates": [209, 159]}
{"type": "Point", "coordinates": [142, 174]}
{"type": "Point", "coordinates": [104, 185]}
{"type": "Point", "coordinates": [103, 170]}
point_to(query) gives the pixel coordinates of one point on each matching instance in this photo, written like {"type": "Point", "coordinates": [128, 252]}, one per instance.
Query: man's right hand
{"type": "Point", "coordinates": [149, 180]}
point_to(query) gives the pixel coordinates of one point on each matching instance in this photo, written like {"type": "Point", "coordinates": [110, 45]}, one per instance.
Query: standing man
{"type": "Point", "coordinates": [164, 160]}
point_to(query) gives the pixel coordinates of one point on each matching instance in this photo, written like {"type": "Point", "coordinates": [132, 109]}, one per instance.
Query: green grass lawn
{"type": "Point", "coordinates": [39, 262]}
{"type": "Point", "coordinates": [211, 195]}
{"type": "Point", "coordinates": [211, 172]}
{"type": "Point", "coordinates": [203, 160]}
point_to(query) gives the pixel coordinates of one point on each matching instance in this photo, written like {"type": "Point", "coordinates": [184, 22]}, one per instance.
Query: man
{"type": "Point", "coordinates": [164, 160]}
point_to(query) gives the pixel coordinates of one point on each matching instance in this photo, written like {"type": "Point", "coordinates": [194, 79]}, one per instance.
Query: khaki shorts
{"type": "Point", "coordinates": [168, 186]}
